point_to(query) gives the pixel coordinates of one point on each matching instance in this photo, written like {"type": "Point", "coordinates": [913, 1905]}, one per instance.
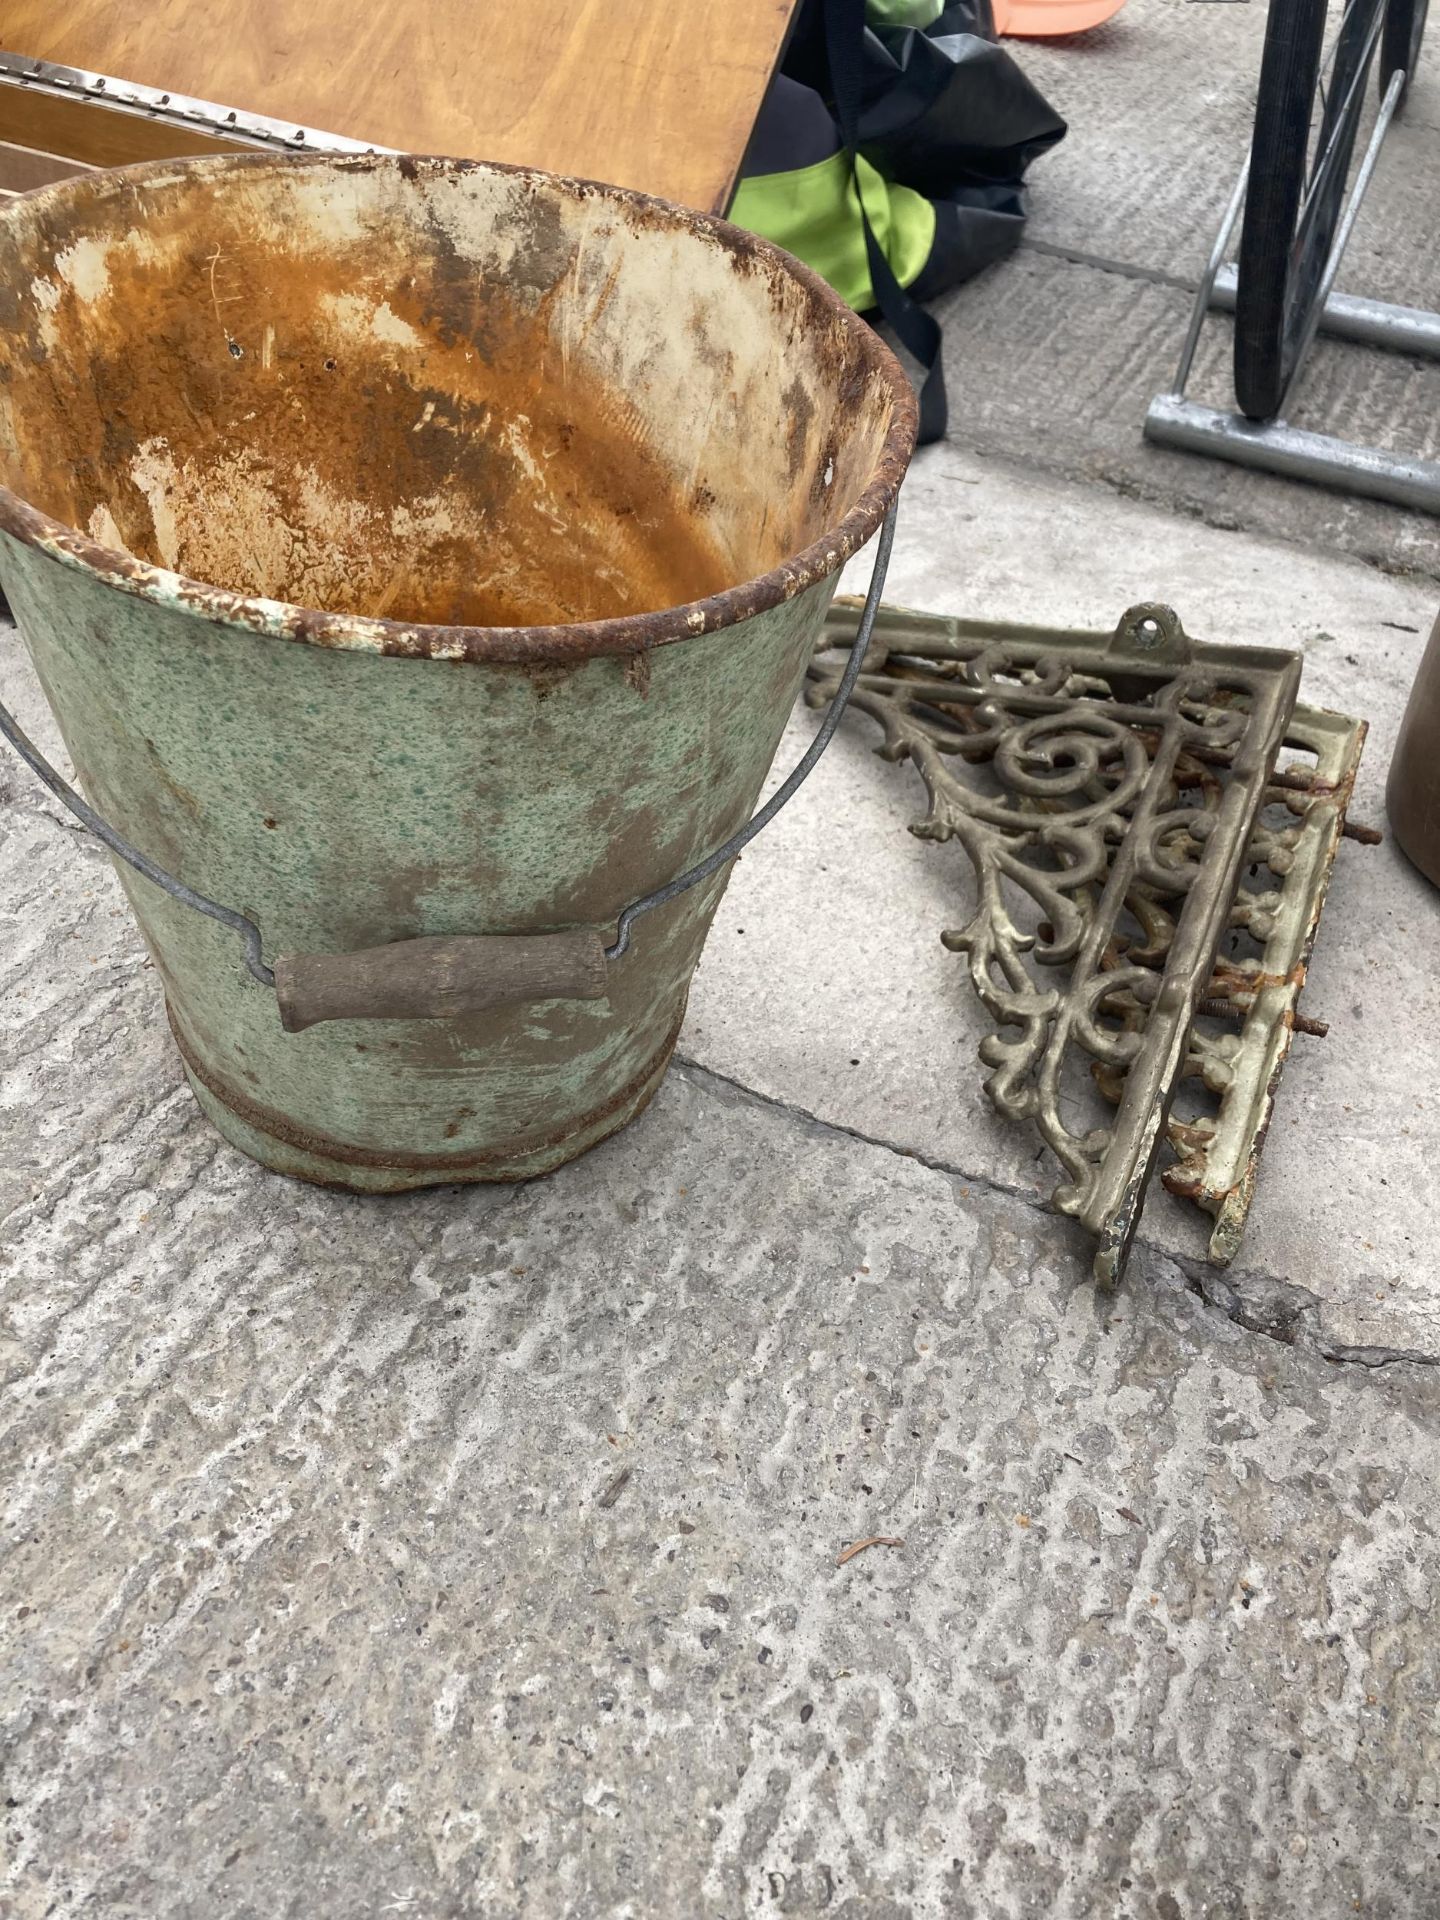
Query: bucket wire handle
{"type": "Point", "coordinates": [131, 855]}
{"type": "Point", "coordinates": [798, 774]}
{"type": "Point", "coordinates": [467, 972]}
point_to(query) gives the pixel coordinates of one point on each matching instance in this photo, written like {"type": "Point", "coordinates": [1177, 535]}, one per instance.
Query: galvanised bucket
{"type": "Point", "coordinates": [421, 560]}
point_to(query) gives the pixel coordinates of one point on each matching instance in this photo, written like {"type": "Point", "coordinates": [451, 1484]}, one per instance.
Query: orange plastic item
{"type": "Point", "coordinates": [1047, 19]}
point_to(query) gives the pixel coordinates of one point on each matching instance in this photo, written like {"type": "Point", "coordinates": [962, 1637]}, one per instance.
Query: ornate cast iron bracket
{"type": "Point", "coordinates": [1147, 884]}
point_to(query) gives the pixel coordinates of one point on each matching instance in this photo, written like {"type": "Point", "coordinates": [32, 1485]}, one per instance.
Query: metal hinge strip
{"type": "Point", "coordinates": [178, 110]}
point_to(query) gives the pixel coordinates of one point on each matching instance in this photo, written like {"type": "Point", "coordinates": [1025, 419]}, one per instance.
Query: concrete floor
{"type": "Point", "coordinates": [474, 1553]}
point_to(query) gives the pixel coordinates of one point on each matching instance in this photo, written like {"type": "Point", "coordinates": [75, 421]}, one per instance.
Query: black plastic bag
{"type": "Point", "coordinates": [943, 110]}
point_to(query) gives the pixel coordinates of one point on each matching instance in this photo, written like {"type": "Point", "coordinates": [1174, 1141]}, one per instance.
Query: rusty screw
{"type": "Point", "coordinates": [1221, 1009]}
{"type": "Point", "coordinates": [1367, 836]}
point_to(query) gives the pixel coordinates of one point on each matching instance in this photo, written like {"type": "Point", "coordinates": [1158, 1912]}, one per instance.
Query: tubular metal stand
{"type": "Point", "coordinates": [1172, 420]}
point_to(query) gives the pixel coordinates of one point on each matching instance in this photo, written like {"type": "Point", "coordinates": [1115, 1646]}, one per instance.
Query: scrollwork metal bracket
{"type": "Point", "coordinates": [1108, 793]}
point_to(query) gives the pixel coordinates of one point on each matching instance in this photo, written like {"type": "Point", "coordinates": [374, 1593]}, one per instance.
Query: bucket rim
{"type": "Point", "coordinates": [622, 635]}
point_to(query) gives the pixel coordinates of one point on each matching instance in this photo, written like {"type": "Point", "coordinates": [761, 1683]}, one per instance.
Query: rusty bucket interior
{"type": "Point", "coordinates": [432, 394]}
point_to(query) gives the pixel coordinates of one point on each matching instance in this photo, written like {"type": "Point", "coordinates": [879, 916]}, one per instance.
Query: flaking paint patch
{"type": "Point", "coordinates": [386, 324]}
{"type": "Point", "coordinates": [353, 314]}
{"type": "Point", "coordinates": [346, 205]}
{"type": "Point", "coordinates": [85, 267]}
{"type": "Point", "coordinates": [152, 468]}
{"type": "Point", "coordinates": [102, 528]}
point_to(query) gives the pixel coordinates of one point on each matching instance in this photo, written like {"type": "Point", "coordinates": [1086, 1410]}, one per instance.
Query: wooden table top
{"type": "Point", "coordinates": [656, 94]}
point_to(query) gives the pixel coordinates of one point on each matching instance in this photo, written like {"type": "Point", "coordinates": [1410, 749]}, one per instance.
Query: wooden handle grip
{"type": "Point", "coordinates": [438, 977]}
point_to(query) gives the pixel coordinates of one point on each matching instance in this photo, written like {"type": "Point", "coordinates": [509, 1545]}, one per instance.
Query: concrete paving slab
{"type": "Point", "coordinates": [1161, 102]}
{"type": "Point", "coordinates": [1053, 365]}
{"type": "Point", "coordinates": [476, 1553]}
{"type": "Point", "coordinates": [824, 984]}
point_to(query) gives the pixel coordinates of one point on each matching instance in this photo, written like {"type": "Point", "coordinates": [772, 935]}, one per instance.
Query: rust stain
{"type": "Point", "coordinates": [378, 465]}
{"type": "Point", "coordinates": [800, 411]}
{"type": "Point", "coordinates": [1235, 984]}
{"type": "Point", "coordinates": [369, 433]}
{"type": "Point", "coordinates": [455, 1166]}
{"type": "Point", "coordinates": [637, 674]}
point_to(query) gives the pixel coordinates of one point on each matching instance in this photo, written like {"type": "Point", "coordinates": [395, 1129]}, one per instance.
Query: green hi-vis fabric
{"type": "Point", "coordinates": [945, 124]}
{"type": "Point", "coordinates": [814, 213]}
{"type": "Point", "coordinates": [904, 13]}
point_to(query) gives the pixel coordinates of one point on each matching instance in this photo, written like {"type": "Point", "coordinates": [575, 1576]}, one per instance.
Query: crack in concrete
{"type": "Point", "coordinates": [713, 1078]}
{"type": "Point", "coordinates": [1291, 1314]}
{"type": "Point", "coordinates": [1339, 1354]}
{"type": "Point", "coordinates": [1078, 257]}
{"type": "Point", "coordinates": [1274, 1308]}
{"type": "Point", "coordinates": [1277, 1308]}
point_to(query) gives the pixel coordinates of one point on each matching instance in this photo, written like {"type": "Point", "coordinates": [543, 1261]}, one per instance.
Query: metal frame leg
{"type": "Point", "coordinates": [1275, 446]}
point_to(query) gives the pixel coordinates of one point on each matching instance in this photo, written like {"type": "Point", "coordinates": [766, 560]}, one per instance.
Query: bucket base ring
{"type": "Point", "coordinates": [304, 1154]}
